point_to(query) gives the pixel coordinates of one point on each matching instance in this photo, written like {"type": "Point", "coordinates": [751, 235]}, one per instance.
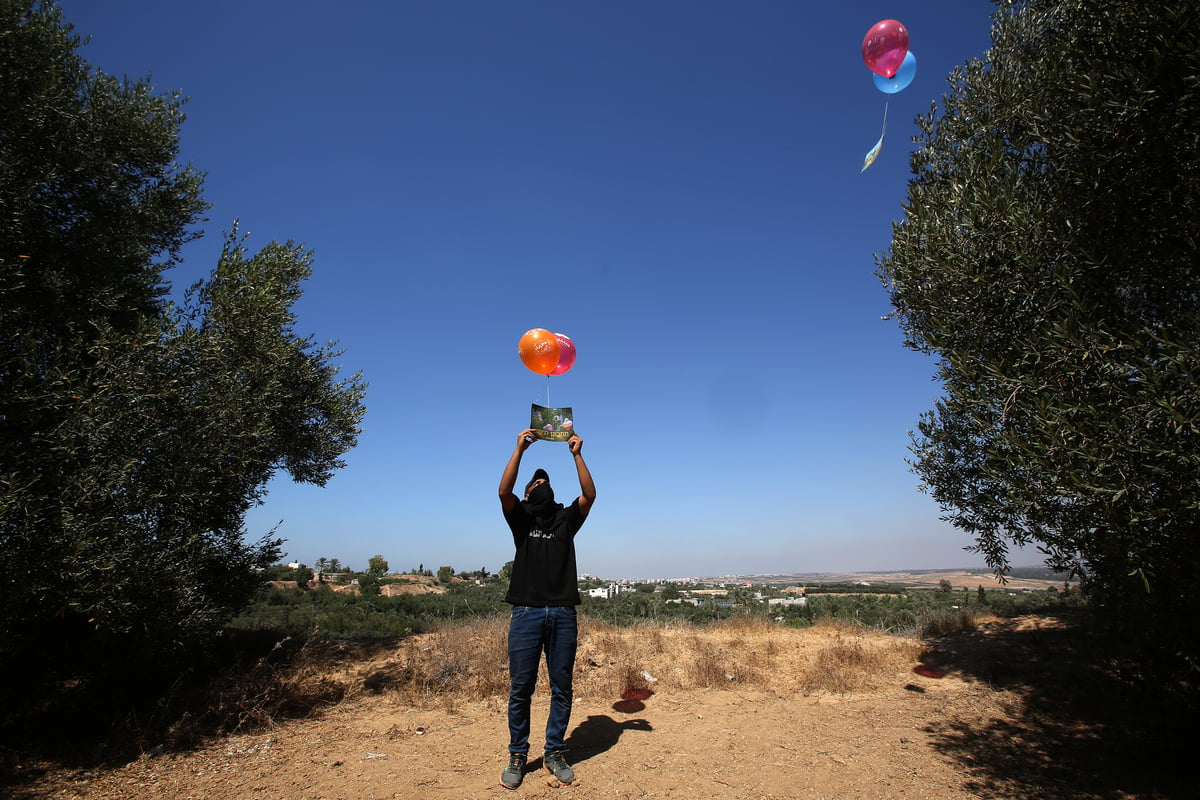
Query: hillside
{"type": "Point", "coordinates": [1023, 578]}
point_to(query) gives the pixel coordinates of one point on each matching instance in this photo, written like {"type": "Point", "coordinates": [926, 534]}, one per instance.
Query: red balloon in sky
{"type": "Point", "coordinates": [566, 354]}
{"type": "Point", "coordinates": [884, 47]}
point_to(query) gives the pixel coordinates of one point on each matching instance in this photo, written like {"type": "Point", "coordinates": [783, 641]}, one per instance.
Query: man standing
{"type": "Point", "coordinates": [544, 591]}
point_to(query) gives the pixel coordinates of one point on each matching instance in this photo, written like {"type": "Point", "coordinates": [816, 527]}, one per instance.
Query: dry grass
{"type": "Point", "coordinates": [469, 661]}
{"type": "Point", "coordinates": [850, 661]}
{"type": "Point", "coordinates": [954, 621]}
{"type": "Point", "coordinates": [277, 686]}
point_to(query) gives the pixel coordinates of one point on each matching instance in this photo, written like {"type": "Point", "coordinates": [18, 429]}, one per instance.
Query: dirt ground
{"type": "Point", "coordinates": [1004, 711]}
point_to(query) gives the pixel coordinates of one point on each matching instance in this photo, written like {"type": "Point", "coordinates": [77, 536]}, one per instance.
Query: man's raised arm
{"type": "Point", "coordinates": [587, 487]}
{"type": "Point", "coordinates": [508, 480]}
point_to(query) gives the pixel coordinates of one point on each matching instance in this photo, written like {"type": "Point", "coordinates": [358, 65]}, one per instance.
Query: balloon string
{"type": "Point", "coordinates": [548, 392]}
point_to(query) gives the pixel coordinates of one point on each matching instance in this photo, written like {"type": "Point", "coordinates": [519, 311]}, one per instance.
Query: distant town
{"type": "Point", "coordinates": [1036, 577]}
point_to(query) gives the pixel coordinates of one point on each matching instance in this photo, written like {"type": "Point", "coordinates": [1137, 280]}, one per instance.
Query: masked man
{"type": "Point", "coordinates": [543, 590]}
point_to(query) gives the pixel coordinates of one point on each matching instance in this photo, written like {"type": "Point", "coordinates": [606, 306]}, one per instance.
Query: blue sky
{"type": "Point", "coordinates": [674, 184]}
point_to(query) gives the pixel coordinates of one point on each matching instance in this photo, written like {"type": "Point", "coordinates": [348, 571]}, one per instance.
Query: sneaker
{"type": "Point", "coordinates": [514, 773]}
{"type": "Point", "coordinates": [556, 764]}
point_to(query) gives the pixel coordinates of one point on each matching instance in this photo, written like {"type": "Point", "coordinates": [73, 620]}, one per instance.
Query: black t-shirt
{"type": "Point", "coordinates": [543, 572]}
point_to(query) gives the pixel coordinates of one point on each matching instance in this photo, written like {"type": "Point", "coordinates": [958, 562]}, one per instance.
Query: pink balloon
{"type": "Point", "coordinates": [884, 47]}
{"type": "Point", "coordinates": [566, 354]}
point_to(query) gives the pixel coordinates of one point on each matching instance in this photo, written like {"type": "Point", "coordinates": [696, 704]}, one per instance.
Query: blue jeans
{"type": "Point", "coordinates": [530, 632]}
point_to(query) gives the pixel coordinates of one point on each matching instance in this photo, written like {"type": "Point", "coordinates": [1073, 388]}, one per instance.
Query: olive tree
{"type": "Point", "coordinates": [1049, 258]}
{"type": "Point", "coordinates": [135, 431]}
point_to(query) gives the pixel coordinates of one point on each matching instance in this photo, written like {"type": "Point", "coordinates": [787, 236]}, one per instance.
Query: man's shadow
{"type": "Point", "coordinates": [599, 733]}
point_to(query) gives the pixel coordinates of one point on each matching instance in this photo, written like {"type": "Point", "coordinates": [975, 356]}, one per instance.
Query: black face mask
{"type": "Point", "coordinates": [541, 499]}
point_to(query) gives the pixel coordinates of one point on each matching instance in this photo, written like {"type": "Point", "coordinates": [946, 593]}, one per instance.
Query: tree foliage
{"type": "Point", "coordinates": [135, 432]}
{"type": "Point", "coordinates": [304, 576]}
{"type": "Point", "coordinates": [1048, 257]}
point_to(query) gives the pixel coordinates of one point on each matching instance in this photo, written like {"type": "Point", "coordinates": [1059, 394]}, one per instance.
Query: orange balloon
{"type": "Point", "coordinates": [538, 350]}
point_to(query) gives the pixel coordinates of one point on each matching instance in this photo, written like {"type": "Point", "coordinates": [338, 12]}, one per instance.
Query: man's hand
{"type": "Point", "coordinates": [526, 438]}
{"type": "Point", "coordinates": [575, 444]}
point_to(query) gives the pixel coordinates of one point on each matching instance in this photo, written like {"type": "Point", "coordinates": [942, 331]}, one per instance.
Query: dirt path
{"type": "Point", "coordinates": [714, 744]}
{"type": "Point", "coordinates": [966, 734]}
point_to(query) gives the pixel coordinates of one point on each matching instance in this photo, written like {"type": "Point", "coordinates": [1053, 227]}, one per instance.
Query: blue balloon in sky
{"type": "Point", "coordinates": [902, 78]}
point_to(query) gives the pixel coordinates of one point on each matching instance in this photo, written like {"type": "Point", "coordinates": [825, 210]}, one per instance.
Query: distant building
{"type": "Point", "coordinates": [605, 592]}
